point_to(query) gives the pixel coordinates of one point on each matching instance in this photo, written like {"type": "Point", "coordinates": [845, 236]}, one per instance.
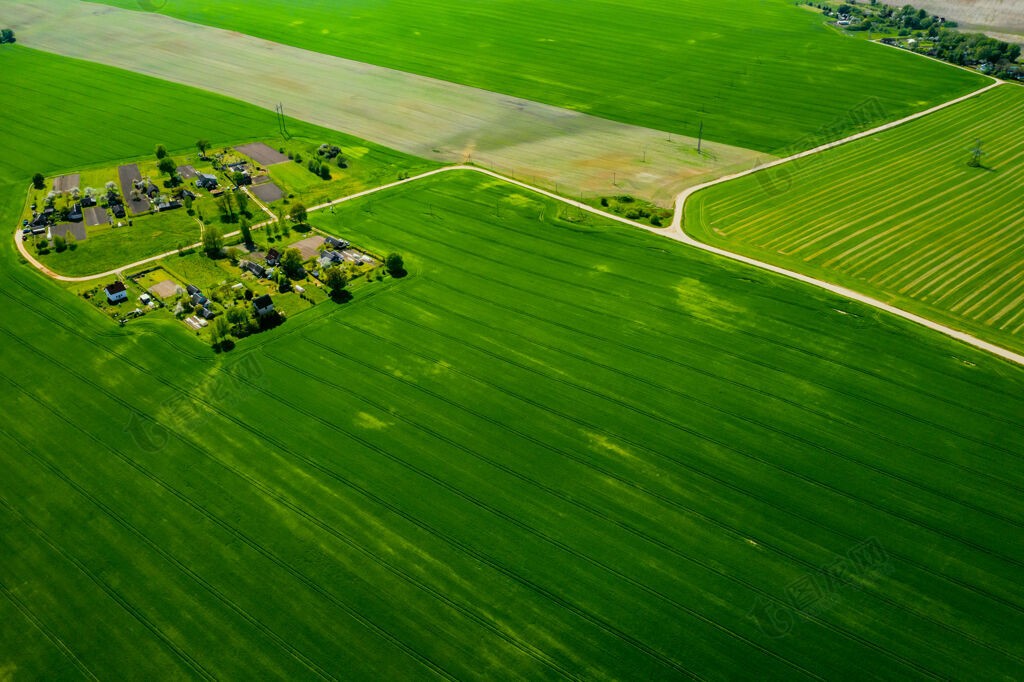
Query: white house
{"type": "Point", "coordinates": [264, 305]}
{"type": "Point", "coordinates": [116, 292]}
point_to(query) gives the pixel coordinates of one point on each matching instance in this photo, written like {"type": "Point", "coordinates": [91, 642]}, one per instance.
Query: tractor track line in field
{"type": "Point", "coordinates": [455, 543]}
{"type": "Point", "coordinates": [675, 504]}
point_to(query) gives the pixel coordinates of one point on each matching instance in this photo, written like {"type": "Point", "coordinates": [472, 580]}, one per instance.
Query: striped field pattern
{"type": "Point", "coordinates": [901, 214]}
{"type": "Point", "coordinates": [556, 450]}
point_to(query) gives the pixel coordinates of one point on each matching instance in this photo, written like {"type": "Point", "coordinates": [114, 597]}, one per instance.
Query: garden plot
{"type": "Point", "coordinates": [127, 175]}
{"type": "Point", "coordinates": [66, 183]}
{"type": "Point", "coordinates": [95, 215]}
{"type": "Point", "coordinates": [62, 230]}
{"type": "Point", "coordinates": [267, 191]}
{"type": "Point", "coordinates": [308, 247]}
{"type": "Point", "coordinates": [261, 153]}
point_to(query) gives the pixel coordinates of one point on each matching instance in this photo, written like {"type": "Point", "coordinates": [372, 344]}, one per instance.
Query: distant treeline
{"type": "Point", "coordinates": [931, 35]}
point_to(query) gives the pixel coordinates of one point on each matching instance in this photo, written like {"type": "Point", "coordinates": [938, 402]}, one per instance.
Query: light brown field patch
{"type": "Point", "coordinates": [1002, 19]}
{"type": "Point", "coordinates": [308, 247]}
{"type": "Point", "coordinates": [164, 289]}
{"type": "Point", "coordinates": [423, 116]}
{"type": "Point", "coordinates": [66, 183]}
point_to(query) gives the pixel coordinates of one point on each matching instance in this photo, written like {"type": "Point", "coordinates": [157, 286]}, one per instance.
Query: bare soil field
{"type": "Point", "coordinates": [1003, 19]}
{"type": "Point", "coordinates": [164, 289]}
{"type": "Point", "coordinates": [66, 183]}
{"type": "Point", "coordinates": [62, 230]}
{"type": "Point", "coordinates": [267, 191]}
{"type": "Point", "coordinates": [308, 246]}
{"type": "Point", "coordinates": [126, 175]}
{"type": "Point", "coordinates": [433, 119]}
{"type": "Point", "coordinates": [261, 153]}
{"type": "Point", "coordinates": [94, 215]}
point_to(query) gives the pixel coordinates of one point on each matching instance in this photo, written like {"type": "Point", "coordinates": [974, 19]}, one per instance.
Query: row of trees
{"type": "Point", "coordinates": [997, 57]}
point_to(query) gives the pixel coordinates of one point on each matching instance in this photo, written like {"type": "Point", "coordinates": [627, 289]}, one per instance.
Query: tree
{"type": "Point", "coordinates": [71, 241]}
{"type": "Point", "coordinates": [161, 151]}
{"type": "Point", "coordinates": [336, 281]}
{"type": "Point", "coordinates": [6, 36]}
{"type": "Point", "coordinates": [203, 146]}
{"type": "Point", "coordinates": [325, 172]}
{"type": "Point", "coordinates": [226, 204]}
{"type": "Point", "coordinates": [38, 181]}
{"type": "Point", "coordinates": [395, 264]}
{"type": "Point", "coordinates": [167, 166]}
{"type": "Point", "coordinates": [59, 244]}
{"type": "Point", "coordinates": [298, 214]}
{"type": "Point", "coordinates": [284, 285]}
{"type": "Point", "coordinates": [219, 331]}
{"type": "Point", "coordinates": [243, 202]}
{"type": "Point", "coordinates": [213, 242]}
{"type": "Point", "coordinates": [291, 262]}
{"type": "Point", "coordinates": [246, 232]}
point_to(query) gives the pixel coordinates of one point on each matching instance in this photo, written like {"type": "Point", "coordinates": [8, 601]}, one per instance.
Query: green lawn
{"type": "Point", "coordinates": [901, 216]}
{"type": "Point", "coordinates": [107, 248]}
{"type": "Point", "coordinates": [363, 172]}
{"type": "Point", "coordinates": [761, 74]}
{"type": "Point", "coordinates": [555, 449]}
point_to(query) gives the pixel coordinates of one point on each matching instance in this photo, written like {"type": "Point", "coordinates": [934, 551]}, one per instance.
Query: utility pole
{"type": "Point", "coordinates": [976, 155]}
{"type": "Point", "coordinates": [280, 120]}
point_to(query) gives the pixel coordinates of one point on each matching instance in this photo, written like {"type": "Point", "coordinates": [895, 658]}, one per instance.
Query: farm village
{"type": "Point", "coordinates": [229, 283]}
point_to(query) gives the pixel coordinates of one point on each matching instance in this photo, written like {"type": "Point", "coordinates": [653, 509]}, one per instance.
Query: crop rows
{"type": "Point", "coordinates": [901, 213]}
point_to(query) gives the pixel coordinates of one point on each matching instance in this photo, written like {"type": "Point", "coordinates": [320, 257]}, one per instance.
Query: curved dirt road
{"type": "Point", "coordinates": [675, 231]}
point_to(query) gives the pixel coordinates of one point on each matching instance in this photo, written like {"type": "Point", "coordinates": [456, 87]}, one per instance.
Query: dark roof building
{"type": "Point", "coordinates": [263, 304]}
{"type": "Point", "coordinates": [256, 269]}
{"type": "Point", "coordinates": [116, 292]}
